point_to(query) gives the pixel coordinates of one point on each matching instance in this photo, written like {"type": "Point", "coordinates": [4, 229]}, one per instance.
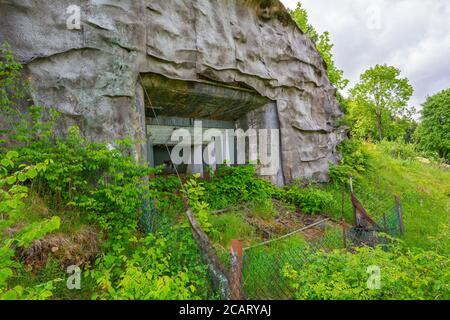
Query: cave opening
{"type": "Point", "coordinates": [172, 104]}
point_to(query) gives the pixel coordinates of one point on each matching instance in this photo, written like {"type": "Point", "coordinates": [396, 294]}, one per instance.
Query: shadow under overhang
{"type": "Point", "coordinates": [199, 99]}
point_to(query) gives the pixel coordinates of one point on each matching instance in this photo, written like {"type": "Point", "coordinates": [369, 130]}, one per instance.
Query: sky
{"type": "Point", "coordinates": [412, 35]}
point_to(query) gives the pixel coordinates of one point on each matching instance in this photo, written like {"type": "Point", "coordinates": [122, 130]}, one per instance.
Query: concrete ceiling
{"type": "Point", "coordinates": [198, 99]}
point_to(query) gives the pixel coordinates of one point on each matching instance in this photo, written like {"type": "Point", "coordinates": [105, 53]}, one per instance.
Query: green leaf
{"type": "Point", "coordinates": [12, 155]}
{"type": "Point", "coordinates": [32, 173]}
{"type": "Point", "coordinates": [7, 163]}
{"type": "Point", "coordinates": [11, 180]}
{"type": "Point", "coordinates": [22, 177]}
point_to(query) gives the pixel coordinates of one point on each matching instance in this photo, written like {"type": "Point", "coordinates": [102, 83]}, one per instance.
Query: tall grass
{"type": "Point", "coordinates": [424, 190]}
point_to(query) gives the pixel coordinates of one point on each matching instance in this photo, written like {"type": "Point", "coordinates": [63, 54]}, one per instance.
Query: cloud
{"type": "Point", "coordinates": [413, 35]}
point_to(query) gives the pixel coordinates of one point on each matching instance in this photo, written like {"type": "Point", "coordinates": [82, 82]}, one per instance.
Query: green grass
{"type": "Point", "coordinates": [424, 190]}
{"type": "Point", "coordinates": [231, 226]}
{"type": "Point", "coordinates": [53, 271]}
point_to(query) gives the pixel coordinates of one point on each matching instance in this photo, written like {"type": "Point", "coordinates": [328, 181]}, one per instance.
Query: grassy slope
{"type": "Point", "coordinates": [423, 188]}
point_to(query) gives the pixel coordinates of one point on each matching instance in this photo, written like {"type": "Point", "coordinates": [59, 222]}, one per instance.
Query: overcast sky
{"type": "Point", "coordinates": [413, 35]}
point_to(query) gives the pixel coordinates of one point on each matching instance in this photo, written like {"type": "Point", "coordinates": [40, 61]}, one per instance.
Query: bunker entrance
{"type": "Point", "coordinates": [199, 107]}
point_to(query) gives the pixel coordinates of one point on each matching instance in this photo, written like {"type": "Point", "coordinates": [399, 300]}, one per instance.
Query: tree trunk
{"type": "Point", "coordinates": [380, 127]}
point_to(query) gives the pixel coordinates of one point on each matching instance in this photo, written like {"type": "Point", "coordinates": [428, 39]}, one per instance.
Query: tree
{"type": "Point", "coordinates": [323, 45]}
{"type": "Point", "coordinates": [433, 133]}
{"type": "Point", "coordinates": [383, 96]}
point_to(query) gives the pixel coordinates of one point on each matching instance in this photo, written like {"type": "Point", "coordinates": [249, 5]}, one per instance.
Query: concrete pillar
{"type": "Point", "coordinates": [150, 153]}
{"type": "Point", "coordinates": [196, 166]}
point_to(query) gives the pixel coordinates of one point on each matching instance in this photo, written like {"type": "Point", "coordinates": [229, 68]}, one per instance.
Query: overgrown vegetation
{"type": "Point", "coordinates": [406, 274]}
{"type": "Point", "coordinates": [133, 240]}
{"type": "Point", "coordinates": [433, 133]}
{"type": "Point", "coordinates": [108, 187]}
{"type": "Point", "coordinates": [13, 191]}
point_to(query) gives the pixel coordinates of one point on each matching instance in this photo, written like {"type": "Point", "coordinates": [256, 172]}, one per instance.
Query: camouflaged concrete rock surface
{"type": "Point", "coordinates": [92, 75]}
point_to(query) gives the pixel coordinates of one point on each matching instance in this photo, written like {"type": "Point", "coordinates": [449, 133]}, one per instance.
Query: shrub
{"type": "Point", "coordinates": [355, 161]}
{"type": "Point", "coordinates": [13, 191]}
{"type": "Point", "coordinates": [195, 192]}
{"type": "Point", "coordinates": [399, 149]}
{"type": "Point", "coordinates": [342, 275]}
{"type": "Point", "coordinates": [235, 185]}
{"type": "Point", "coordinates": [165, 266]}
{"type": "Point", "coordinates": [310, 200]}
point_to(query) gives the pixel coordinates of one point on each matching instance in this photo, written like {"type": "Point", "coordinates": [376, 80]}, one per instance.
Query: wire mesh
{"type": "Point", "coordinates": [265, 267]}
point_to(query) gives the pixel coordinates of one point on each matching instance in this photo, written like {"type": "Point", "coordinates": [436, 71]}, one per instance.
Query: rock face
{"type": "Point", "coordinates": [92, 75]}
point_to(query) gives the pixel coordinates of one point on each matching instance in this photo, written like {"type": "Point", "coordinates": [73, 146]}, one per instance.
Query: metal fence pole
{"type": "Point", "coordinates": [344, 233]}
{"type": "Point", "coordinates": [236, 270]}
{"type": "Point", "coordinates": [400, 214]}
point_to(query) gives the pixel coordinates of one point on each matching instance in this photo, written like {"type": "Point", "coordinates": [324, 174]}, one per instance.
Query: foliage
{"type": "Point", "coordinates": [234, 185]}
{"type": "Point", "coordinates": [300, 16]}
{"type": "Point", "coordinates": [195, 192]}
{"type": "Point", "coordinates": [383, 95]}
{"type": "Point", "coordinates": [341, 275]}
{"type": "Point", "coordinates": [364, 125]}
{"type": "Point", "coordinates": [310, 200]}
{"type": "Point", "coordinates": [161, 267]}
{"type": "Point", "coordinates": [12, 209]}
{"type": "Point", "coordinates": [323, 44]}
{"type": "Point", "coordinates": [422, 187]}
{"type": "Point", "coordinates": [355, 161]}
{"type": "Point", "coordinates": [106, 184]}
{"type": "Point", "coordinates": [433, 133]}
{"type": "Point", "coordinates": [12, 88]}
{"type": "Point", "coordinates": [110, 187]}
{"type": "Point", "coordinates": [231, 226]}
{"type": "Point", "coordinates": [399, 149]}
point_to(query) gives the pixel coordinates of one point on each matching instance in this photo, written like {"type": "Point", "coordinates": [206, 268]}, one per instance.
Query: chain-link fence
{"type": "Point", "coordinates": [264, 267]}
{"type": "Point", "coordinates": [261, 271]}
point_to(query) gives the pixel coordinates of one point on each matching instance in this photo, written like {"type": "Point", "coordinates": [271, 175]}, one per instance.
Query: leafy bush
{"type": "Point", "coordinates": [111, 189]}
{"type": "Point", "coordinates": [12, 88]}
{"type": "Point", "coordinates": [12, 209]}
{"type": "Point", "coordinates": [235, 185]}
{"type": "Point", "coordinates": [399, 149]}
{"type": "Point", "coordinates": [355, 161]}
{"type": "Point", "coordinates": [195, 192]}
{"type": "Point", "coordinates": [165, 266]}
{"type": "Point", "coordinates": [309, 200]}
{"type": "Point", "coordinates": [342, 275]}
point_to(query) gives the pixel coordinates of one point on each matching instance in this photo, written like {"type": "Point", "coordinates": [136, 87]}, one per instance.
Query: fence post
{"type": "Point", "coordinates": [400, 214]}
{"type": "Point", "coordinates": [343, 200]}
{"type": "Point", "coordinates": [344, 233]}
{"type": "Point", "coordinates": [236, 270]}
{"type": "Point", "coordinates": [354, 209]}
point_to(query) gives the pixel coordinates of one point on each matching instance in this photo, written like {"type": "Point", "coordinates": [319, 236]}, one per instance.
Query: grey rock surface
{"type": "Point", "coordinates": [92, 75]}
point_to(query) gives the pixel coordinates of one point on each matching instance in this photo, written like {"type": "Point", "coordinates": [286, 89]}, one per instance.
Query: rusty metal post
{"type": "Point", "coordinates": [236, 270]}
{"type": "Point", "coordinates": [400, 214]}
{"type": "Point", "coordinates": [343, 200]}
{"type": "Point", "coordinates": [352, 194]}
{"type": "Point", "coordinates": [344, 233]}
